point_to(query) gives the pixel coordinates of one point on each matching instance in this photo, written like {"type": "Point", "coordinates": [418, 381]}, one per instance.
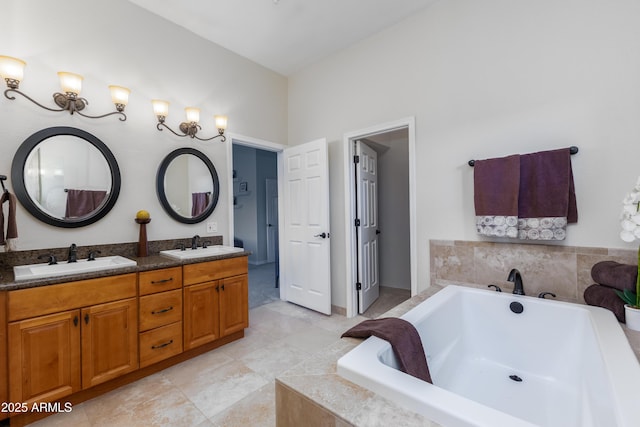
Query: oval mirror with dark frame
{"type": "Point", "coordinates": [65, 177]}
{"type": "Point", "coordinates": [187, 185]}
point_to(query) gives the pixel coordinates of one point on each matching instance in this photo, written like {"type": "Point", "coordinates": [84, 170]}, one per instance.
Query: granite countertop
{"type": "Point", "coordinates": [317, 380]}
{"type": "Point", "coordinates": [151, 262]}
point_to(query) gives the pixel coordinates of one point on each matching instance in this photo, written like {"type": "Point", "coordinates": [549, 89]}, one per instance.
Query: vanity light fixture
{"type": "Point", "coordinates": [191, 127]}
{"type": "Point", "coordinates": [12, 71]}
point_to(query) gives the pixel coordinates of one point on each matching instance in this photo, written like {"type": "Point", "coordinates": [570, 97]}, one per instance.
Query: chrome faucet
{"type": "Point", "coordinates": [194, 242]}
{"type": "Point", "coordinates": [516, 278]}
{"type": "Point", "coordinates": [73, 255]}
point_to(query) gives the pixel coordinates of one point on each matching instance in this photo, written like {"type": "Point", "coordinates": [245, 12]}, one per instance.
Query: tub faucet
{"type": "Point", "coordinates": [194, 242]}
{"type": "Point", "coordinates": [73, 255]}
{"type": "Point", "coordinates": [516, 278]}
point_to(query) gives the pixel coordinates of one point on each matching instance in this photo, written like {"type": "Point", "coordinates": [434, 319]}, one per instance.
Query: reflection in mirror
{"type": "Point", "coordinates": [187, 185]}
{"type": "Point", "coordinates": [65, 177]}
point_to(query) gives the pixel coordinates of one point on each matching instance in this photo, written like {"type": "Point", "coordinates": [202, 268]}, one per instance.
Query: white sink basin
{"type": "Point", "coordinates": [200, 252]}
{"type": "Point", "coordinates": [39, 271]}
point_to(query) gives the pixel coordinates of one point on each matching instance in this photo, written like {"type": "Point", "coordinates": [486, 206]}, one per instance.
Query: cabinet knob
{"type": "Point", "coordinates": [86, 319]}
{"type": "Point", "coordinates": [75, 321]}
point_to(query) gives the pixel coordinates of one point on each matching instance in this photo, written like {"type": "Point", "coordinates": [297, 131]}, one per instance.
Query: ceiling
{"type": "Point", "coordinates": [284, 35]}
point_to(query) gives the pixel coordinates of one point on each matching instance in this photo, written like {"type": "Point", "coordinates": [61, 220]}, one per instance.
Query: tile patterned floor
{"type": "Point", "coordinates": [230, 386]}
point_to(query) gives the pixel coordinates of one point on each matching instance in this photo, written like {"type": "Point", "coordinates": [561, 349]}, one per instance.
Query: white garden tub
{"type": "Point", "coordinates": [554, 364]}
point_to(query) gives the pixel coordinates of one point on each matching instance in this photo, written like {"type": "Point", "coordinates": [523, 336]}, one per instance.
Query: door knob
{"type": "Point", "coordinates": [323, 235]}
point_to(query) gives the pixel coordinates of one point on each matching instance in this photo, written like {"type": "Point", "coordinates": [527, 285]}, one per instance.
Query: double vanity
{"type": "Point", "coordinates": [72, 331]}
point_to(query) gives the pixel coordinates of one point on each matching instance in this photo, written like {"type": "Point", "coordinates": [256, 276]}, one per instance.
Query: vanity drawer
{"type": "Point", "coordinates": [32, 302]}
{"type": "Point", "coordinates": [161, 343]}
{"type": "Point", "coordinates": [160, 309]}
{"type": "Point", "coordinates": [154, 281]}
{"type": "Point", "coordinates": [213, 270]}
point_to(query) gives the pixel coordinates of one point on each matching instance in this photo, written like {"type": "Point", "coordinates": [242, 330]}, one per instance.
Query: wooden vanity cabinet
{"type": "Point", "coordinates": [44, 357]}
{"type": "Point", "coordinates": [109, 337]}
{"type": "Point", "coordinates": [160, 314]}
{"type": "Point", "coordinates": [215, 300]}
{"type": "Point", "coordinates": [72, 336]}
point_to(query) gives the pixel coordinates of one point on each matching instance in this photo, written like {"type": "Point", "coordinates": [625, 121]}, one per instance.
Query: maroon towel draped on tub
{"type": "Point", "coordinates": [404, 339]}
{"type": "Point", "coordinates": [83, 202]}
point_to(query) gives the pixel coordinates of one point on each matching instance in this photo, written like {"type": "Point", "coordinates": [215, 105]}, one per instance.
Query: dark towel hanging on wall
{"type": "Point", "coordinates": [12, 227]}
{"type": "Point", "coordinates": [545, 195]}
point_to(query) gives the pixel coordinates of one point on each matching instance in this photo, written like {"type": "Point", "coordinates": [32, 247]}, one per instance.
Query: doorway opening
{"type": "Point", "coordinates": [255, 217]}
{"type": "Point", "coordinates": [380, 236]}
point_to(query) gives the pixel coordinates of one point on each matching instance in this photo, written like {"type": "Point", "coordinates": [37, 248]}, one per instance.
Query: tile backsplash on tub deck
{"type": "Point", "coordinates": [563, 270]}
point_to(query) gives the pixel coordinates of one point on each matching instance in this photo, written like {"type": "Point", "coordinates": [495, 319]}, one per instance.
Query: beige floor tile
{"type": "Point", "coordinates": [255, 410]}
{"type": "Point", "coordinates": [77, 418]}
{"type": "Point", "coordinates": [274, 359]}
{"type": "Point", "coordinates": [312, 339]}
{"type": "Point", "coordinates": [126, 398]}
{"type": "Point", "coordinates": [197, 368]}
{"type": "Point", "coordinates": [171, 408]}
{"type": "Point", "coordinates": [217, 389]}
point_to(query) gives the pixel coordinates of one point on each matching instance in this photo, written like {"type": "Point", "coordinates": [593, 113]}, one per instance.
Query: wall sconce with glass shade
{"type": "Point", "coordinates": [190, 127]}
{"type": "Point", "coordinates": [12, 71]}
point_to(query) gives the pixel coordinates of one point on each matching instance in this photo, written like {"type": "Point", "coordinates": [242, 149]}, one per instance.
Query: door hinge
{"type": "Point", "coordinates": [356, 159]}
{"type": "Point", "coordinates": [357, 222]}
{"type": "Point", "coordinates": [358, 286]}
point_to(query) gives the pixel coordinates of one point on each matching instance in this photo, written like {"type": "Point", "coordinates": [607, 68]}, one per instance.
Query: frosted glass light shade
{"type": "Point", "coordinates": [160, 107]}
{"type": "Point", "coordinates": [70, 82]}
{"type": "Point", "coordinates": [12, 68]}
{"type": "Point", "coordinates": [193, 114]}
{"type": "Point", "coordinates": [221, 122]}
{"type": "Point", "coordinates": [119, 94]}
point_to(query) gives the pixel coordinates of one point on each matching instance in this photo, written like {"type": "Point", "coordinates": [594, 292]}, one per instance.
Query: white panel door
{"type": "Point", "coordinates": [306, 261]}
{"type": "Point", "coordinates": [367, 231]}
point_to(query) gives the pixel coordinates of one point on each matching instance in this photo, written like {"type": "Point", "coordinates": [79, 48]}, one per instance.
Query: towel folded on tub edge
{"type": "Point", "coordinates": [615, 275]}
{"type": "Point", "coordinates": [404, 339]}
{"type": "Point", "coordinates": [605, 297]}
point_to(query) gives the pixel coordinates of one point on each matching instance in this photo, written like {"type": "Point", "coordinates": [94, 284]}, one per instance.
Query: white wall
{"type": "Point", "coordinates": [486, 79]}
{"type": "Point", "coordinates": [393, 214]}
{"type": "Point", "coordinates": [116, 42]}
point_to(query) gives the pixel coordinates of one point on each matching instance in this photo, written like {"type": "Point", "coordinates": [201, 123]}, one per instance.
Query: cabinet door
{"type": "Point", "coordinates": [109, 341]}
{"type": "Point", "coordinates": [44, 357]}
{"type": "Point", "coordinates": [201, 323]}
{"type": "Point", "coordinates": [234, 304]}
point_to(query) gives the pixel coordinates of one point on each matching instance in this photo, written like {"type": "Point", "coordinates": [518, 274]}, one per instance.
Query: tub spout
{"type": "Point", "coordinates": [516, 278]}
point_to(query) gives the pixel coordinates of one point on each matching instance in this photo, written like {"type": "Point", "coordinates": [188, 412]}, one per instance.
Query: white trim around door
{"type": "Point", "coordinates": [350, 209]}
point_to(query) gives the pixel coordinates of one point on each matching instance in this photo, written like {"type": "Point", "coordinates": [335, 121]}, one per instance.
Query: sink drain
{"type": "Point", "coordinates": [515, 378]}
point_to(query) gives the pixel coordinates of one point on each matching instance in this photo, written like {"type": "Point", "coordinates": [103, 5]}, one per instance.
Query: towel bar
{"type": "Point", "coordinates": [573, 150]}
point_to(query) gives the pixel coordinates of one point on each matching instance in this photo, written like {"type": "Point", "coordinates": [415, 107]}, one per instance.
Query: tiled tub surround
{"type": "Point", "coordinates": [563, 270]}
{"type": "Point", "coordinates": [313, 394]}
